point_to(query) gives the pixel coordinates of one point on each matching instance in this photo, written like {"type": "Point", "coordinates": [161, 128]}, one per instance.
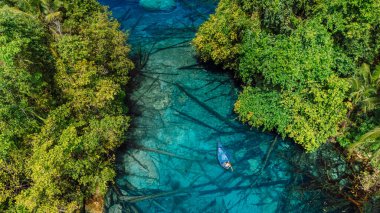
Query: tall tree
{"type": "Point", "coordinates": [63, 65]}
{"type": "Point", "coordinates": [25, 67]}
{"type": "Point", "coordinates": [304, 51]}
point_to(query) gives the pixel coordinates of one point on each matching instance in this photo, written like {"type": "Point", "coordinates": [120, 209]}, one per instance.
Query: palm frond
{"type": "Point", "coordinates": [369, 143]}
{"type": "Point", "coordinates": [376, 76]}
{"type": "Point", "coordinates": [366, 140]}
{"type": "Point", "coordinates": [53, 17]}
{"type": "Point", "coordinates": [370, 104]}
{"type": "Point", "coordinates": [365, 73]}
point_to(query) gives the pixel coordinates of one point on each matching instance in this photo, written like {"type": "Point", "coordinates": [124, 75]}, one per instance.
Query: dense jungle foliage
{"type": "Point", "coordinates": [63, 65]}
{"type": "Point", "coordinates": [309, 69]}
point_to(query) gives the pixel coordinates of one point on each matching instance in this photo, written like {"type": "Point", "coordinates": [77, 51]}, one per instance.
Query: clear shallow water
{"type": "Point", "coordinates": [180, 111]}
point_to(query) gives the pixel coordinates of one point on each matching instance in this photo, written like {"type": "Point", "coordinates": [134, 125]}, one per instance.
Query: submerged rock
{"type": "Point", "coordinates": [158, 4]}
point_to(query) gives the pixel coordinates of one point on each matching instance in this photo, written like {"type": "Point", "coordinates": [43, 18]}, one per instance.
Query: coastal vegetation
{"type": "Point", "coordinates": [309, 71]}
{"type": "Point", "coordinates": [63, 67]}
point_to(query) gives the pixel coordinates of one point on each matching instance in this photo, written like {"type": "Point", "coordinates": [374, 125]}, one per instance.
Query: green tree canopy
{"type": "Point", "coordinates": [294, 58]}
{"type": "Point", "coordinates": [63, 68]}
{"type": "Point", "coordinates": [24, 67]}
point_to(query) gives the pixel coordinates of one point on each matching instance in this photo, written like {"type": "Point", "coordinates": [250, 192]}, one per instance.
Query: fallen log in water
{"type": "Point", "coordinates": [189, 190]}
{"type": "Point", "coordinates": [134, 199]}
{"type": "Point", "coordinates": [238, 188]}
{"type": "Point", "coordinates": [208, 109]}
{"type": "Point", "coordinates": [135, 190]}
{"type": "Point", "coordinates": [165, 153]}
{"type": "Point", "coordinates": [197, 121]}
{"type": "Point", "coordinates": [138, 162]}
{"type": "Point", "coordinates": [190, 67]}
{"type": "Point", "coordinates": [177, 45]}
{"type": "Point", "coordinates": [270, 149]}
{"type": "Point", "coordinates": [268, 153]}
{"type": "Point", "coordinates": [145, 92]}
{"type": "Point", "coordinates": [160, 73]}
{"type": "Point", "coordinates": [221, 83]}
{"type": "Point", "coordinates": [133, 27]}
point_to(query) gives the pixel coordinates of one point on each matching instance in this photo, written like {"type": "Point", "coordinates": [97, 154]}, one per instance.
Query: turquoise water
{"type": "Point", "coordinates": [180, 111]}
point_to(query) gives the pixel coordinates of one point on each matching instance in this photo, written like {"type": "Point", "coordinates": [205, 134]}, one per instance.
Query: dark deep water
{"type": "Point", "coordinates": [180, 111]}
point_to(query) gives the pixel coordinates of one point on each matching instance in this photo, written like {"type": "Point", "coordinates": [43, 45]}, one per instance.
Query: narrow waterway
{"type": "Point", "coordinates": [180, 111]}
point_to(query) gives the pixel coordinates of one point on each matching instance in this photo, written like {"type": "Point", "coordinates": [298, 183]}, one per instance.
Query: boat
{"type": "Point", "coordinates": [223, 158]}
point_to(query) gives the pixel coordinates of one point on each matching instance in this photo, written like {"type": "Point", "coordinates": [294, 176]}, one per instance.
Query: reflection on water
{"type": "Point", "coordinates": [180, 112]}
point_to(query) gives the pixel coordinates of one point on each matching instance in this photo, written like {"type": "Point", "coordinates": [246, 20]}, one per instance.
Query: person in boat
{"type": "Point", "coordinates": [227, 165]}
